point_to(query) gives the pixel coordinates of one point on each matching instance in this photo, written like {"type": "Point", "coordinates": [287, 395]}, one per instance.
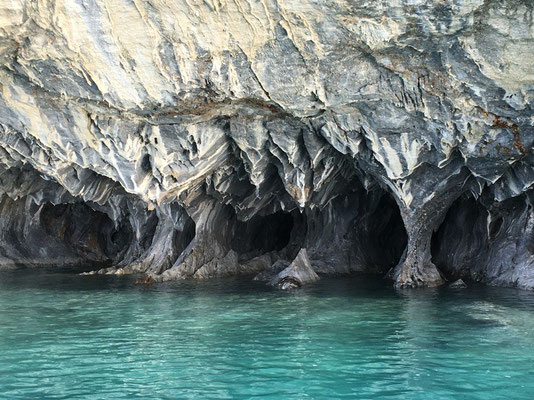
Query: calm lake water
{"type": "Point", "coordinates": [65, 336]}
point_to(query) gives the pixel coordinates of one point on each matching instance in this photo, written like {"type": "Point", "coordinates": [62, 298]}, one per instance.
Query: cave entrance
{"type": "Point", "coordinates": [378, 234]}
{"type": "Point", "coordinates": [468, 233]}
{"type": "Point", "coordinates": [184, 232]}
{"type": "Point", "coordinates": [456, 245]}
{"type": "Point", "coordinates": [62, 235]}
{"type": "Point", "coordinates": [482, 239]}
{"type": "Point", "coordinates": [264, 234]}
{"type": "Point", "coordinates": [359, 231]}
{"type": "Point", "coordinates": [88, 234]}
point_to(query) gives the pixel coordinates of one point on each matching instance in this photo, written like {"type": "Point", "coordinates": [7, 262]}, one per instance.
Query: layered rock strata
{"type": "Point", "coordinates": [207, 138]}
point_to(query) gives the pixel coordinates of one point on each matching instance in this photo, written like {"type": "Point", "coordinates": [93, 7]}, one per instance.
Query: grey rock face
{"type": "Point", "coordinates": [198, 139]}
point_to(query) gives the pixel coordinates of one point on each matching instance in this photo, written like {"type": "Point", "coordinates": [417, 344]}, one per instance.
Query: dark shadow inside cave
{"type": "Point", "coordinates": [263, 234]}
{"type": "Point", "coordinates": [60, 235]}
{"type": "Point", "coordinates": [461, 238]}
{"type": "Point", "coordinates": [184, 233]}
{"type": "Point", "coordinates": [87, 233]}
{"type": "Point", "coordinates": [484, 239]}
{"type": "Point", "coordinates": [481, 238]}
{"type": "Point", "coordinates": [377, 232]}
{"type": "Point", "coordinates": [359, 231]}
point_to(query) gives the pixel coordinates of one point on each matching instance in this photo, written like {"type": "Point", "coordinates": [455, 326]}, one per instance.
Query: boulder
{"type": "Point", "coordinates": [459, 284]}
{"type": "Point", "coordinates": [297, 274]}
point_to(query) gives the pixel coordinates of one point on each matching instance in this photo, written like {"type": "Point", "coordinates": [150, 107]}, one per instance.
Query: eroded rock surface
{"type": "Point", "coordinates": [300, 272]}
{"type": "Point", "coordinates": [207, 138]}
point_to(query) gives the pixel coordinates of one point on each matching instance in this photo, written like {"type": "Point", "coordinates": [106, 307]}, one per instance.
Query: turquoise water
{"type": "Point", "coordinates": [66, 336]}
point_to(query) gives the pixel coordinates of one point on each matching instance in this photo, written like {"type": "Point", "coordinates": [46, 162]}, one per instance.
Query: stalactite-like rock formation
{"type": "Point", "coordinates": [208, 138]}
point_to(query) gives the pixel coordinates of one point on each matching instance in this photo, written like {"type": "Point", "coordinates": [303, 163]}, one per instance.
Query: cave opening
{"type": "Point", "coordinates": [459, 242]}
{"type": "Point", "coordinates": [88, 234]}
{"type": "Point", "coordinates": [60, 235]}
{"type": "Point", "coordinates": [264, 234]}
{"type": "Point", "coordinates": [184, 233]}
{"type": "Point", "coordinates": [482, 239]}
{"type": "Point", "coordinates": [378, 234]}
{"type": "Point", "coordinates": [357, 231]}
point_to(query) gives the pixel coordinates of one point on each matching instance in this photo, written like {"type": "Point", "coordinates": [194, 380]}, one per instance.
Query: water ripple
{"type": "Point", "coordinates": [103, 337]}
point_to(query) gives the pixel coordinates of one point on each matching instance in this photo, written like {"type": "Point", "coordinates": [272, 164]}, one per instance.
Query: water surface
{"type": "Point", "coordinates": [64, 336]}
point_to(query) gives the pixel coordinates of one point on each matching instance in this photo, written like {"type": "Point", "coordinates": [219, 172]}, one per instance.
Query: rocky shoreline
{"type": "Point", "coordinates": [207, 139]}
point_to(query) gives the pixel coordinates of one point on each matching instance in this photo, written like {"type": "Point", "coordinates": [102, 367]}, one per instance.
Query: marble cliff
{"type": "Point", "coordinates": [198, 138]}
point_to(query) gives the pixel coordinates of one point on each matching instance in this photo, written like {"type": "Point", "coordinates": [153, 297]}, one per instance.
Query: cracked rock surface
{"type": "Point", "coordinates": [210, 138]}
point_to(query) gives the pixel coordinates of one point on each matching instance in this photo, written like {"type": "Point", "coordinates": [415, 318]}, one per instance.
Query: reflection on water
{"type": "Point", "coordinates": [70, 336]}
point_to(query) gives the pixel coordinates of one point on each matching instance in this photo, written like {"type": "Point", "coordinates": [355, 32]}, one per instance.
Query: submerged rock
{"type": "Point", "coordinates": [270, 273]}
{"type": "Point", "coordinates": [88, 273]}
{"type": "Point", "coordinates": [298, 273]}
{"type": "Point", "coordinates": [458, 284]}
{"type": "Point", "coordinates": [186, 139]}
{"type": "Point", "coordinates": [145, 280]}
